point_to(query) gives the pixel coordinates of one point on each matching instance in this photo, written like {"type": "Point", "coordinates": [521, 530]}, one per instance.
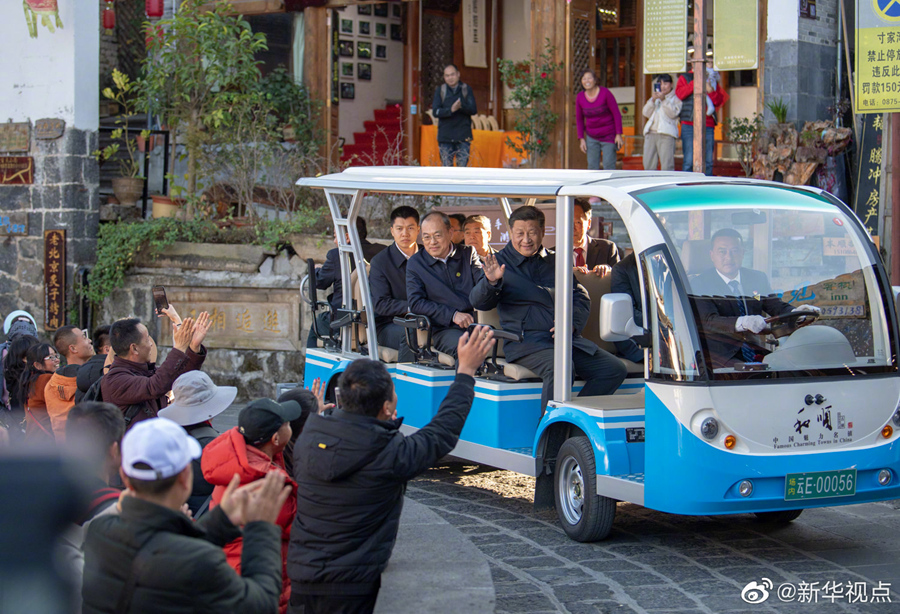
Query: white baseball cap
{"type": "Point", "coordinates": [160, 444]}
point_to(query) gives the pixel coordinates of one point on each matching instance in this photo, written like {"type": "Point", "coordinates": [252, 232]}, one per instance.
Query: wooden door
{"type": "Point", "coordinates": [581, 29]}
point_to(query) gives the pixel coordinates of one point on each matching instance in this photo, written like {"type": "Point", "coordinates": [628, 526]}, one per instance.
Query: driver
{"type": "Point", "coordinates": [730, 301]}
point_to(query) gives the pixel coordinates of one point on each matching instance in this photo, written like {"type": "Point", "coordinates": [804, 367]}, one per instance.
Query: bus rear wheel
{"type": "Point", "coordinates": [584, 516]}
{"type": "Point", "coordinates": [782, 517]}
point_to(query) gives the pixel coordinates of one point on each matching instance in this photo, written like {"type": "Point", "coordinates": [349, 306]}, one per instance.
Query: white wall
{"type": "Point", "coordinates": [387, 77]}
{"type": "Point", "coordinates": [783, 21]}
{"type": "Point", "coordinates": [54, 75]}
{"type": "Point", "coordinates": [516, 37]}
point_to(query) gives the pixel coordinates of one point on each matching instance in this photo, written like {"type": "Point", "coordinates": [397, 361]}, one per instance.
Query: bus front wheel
{"type": "Point", "coordinates": [782, 517]}
{"type": "Point", "coordinates": [585, 517]}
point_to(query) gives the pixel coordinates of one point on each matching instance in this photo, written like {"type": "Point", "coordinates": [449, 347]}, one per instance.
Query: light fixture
{"type": "Point", "coordinates": [884, 477]}
{"type": "Point", "coordinates": [730, 441]}
{"type": "Point", "coordinates": [745, 488]}
{"type": "Point", "coordinates": [709, 428]}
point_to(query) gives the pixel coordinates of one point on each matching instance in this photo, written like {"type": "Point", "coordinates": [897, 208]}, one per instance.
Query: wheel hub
{"type": "Point", "coordinates": [571, 490]}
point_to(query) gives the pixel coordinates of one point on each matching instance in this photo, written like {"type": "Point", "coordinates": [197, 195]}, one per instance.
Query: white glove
{"type": "Point", "coordinates": [753, 324]}
{"type": "Point", "coordinates": [811, 308]}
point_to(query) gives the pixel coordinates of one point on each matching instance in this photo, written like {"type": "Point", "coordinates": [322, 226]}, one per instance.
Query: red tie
{"type": "Point", "coordinates": [579, 256]}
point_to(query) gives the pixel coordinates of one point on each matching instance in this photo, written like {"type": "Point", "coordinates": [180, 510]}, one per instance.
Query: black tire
{"type": "Point", "coordinates": [782, 517]}
{"type": "Point", "coordinates": [584, 516]}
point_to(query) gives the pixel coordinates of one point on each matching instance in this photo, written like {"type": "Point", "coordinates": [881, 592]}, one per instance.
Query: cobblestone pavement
{"type": "Point", "coordinates": [656, 562]}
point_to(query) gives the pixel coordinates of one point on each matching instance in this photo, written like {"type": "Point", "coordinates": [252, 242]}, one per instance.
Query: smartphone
{"type": "Point", "coordinates": [159, 298]}
{"type": "Point", "coordinates": [337, 398]}
{"type": "Point", "coordinates": [657, 87]}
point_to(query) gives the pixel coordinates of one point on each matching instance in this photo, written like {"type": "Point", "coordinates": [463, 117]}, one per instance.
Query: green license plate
{"type": "Point", "coordinates": [820, 484]}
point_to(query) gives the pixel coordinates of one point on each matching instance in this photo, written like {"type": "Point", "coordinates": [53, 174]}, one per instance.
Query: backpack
{"type": "Point", "coordinates": [94, 393]}
{"type": "Point", "coordinates": [464, 91]}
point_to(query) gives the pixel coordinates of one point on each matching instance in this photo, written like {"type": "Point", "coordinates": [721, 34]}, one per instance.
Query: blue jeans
{"type": "Point", "coordinates": [687, 148]}
{"type": "Point", "coordinates": [594, 149]}
{"type": "Point", "coordinates": [457, 149]}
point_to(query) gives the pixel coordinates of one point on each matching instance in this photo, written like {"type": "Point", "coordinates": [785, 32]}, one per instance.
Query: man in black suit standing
{"type": "Point", "coordinates": [730, 301]}
{"type": "Point", "coordinates": [592, 255]}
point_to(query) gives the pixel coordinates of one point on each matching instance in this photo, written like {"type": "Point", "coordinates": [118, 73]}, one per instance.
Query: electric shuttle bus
{"type": "Point", "coordinates": [768, 396]}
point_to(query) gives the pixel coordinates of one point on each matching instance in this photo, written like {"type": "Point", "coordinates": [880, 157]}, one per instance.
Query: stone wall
{"type": "Point", "coordinates": [64, 196]}
{"type": "Point", "coordinates": [822, 30]}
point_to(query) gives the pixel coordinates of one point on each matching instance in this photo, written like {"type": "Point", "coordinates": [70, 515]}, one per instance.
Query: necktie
{"type": "Point", "coordinates": [579, 256]}
{"type": "Point", "coordinates": [746, 351]}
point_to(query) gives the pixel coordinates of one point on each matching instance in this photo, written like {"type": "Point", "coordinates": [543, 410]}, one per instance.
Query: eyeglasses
{"type": "Point", "coordinates": [53, 357]}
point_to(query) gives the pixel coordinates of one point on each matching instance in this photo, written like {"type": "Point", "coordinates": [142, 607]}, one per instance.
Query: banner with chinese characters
{"type": "Point", "coordinates": [474, 27]}
{"type": "Point", "coordinates": [241, 318]}
{"type": "Point", "coordinates": [736, 32]}
{"type": "Point", "coordinates": [877, 56]}
{"type": "Point", "coordinates": [665, 36]}
{"type": "Point", "coordinates": [866, 198]}
{"type": "Point", "coordinates": [54, 279]}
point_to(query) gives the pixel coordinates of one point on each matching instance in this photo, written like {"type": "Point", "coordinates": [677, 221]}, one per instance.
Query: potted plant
{"type": "Point", "coordinates": [130, 185]}
{"type": "Point", "coordinates": [291, 107]}
{"type": "Point", "coordinates": [743, 132]}
{"type": "Point", "coordinates": [197, 63]}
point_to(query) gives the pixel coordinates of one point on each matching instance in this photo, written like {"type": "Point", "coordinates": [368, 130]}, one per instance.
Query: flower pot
{"type": "Point", "coordinates": [163, 206]}
{"type": "Point", "coordinates": [128, 189]}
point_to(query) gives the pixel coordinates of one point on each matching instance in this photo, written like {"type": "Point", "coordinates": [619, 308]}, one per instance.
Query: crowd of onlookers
{"type": "Point", "coordinates": [294, 509]}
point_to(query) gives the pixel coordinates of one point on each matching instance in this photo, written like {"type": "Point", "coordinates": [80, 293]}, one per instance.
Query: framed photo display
{"type": "Point", "coordinates": [348, 91]}
{"type": "Point", "coordinates": [363, 50]}
{"type": "Point", "coordinates": [380, 30]}
{"type": "Point", "coordinates": [364, 71]}
{"type": "Point", "coordinates": [345, 48]}
{"type": "Point", "coordinates": [381, 9]}
{"type": "Point", "coordinates": [346, 70]}
{"type": "Point", "coordinates": [396, 32]}
{"type": "Point", "coordinates": [364, 9]}
{"type": "Point", "coordinates": [381, 52]}
{"type": "Point", "coordinates": [365, 28]}
{"type": "Point", "coordinates": [346, 26]}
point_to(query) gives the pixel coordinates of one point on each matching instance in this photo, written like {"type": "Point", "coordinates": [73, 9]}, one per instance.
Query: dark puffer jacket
{"type": "Point", "coordinates": [351, 473]}
{"type": "Point", "coordinates": [186, 570]}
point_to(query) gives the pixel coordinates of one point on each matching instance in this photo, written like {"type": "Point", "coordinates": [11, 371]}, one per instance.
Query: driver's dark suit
{"type": "Point", "coordinates": [718, 311]}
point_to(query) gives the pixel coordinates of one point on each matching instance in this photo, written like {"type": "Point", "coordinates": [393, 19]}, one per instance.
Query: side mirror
{"type": "Point", "coordinates": [617, 318]}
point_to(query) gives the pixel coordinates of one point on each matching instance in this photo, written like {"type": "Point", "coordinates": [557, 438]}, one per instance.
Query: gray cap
{"type": "Point", "coordinates": [197, 399]}
{"type": "Point", "coordinates": [21, 327]}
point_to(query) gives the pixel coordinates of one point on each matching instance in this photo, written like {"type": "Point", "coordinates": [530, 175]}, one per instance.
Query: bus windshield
{"type": "Point", "coordinates": [779, 282]}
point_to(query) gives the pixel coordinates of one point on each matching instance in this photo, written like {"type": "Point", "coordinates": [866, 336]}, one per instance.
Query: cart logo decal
{"type": "Point", "coordinates": [634, 435]}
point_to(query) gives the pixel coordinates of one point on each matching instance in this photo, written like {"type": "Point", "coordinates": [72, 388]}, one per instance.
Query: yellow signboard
{"type": "Point", "coordinates": [877, 56]}
{"type": "Point", "coordinates": [736, 35]}
{"type": "Point", "coordinates": [665, 36]}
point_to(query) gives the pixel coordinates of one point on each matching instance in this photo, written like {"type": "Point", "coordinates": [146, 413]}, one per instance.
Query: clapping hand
{"type": "Point", "coordinates": [318, 390]}
{"type": "Point", "coordinates": [201, 327]}
{"type": "Point", "coordinates": [493, 270]}
{"type": "Point", "coordinates": [182, 336]}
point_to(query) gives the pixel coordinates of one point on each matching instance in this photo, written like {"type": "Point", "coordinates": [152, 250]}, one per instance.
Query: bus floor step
{"type": "Point", "coordinates": [631, 477]}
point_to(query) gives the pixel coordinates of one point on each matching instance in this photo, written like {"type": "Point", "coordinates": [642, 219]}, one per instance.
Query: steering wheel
{"type": "Point", "coordinates": [786, 323]}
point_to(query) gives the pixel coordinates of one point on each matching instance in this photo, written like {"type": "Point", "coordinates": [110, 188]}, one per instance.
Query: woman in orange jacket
{"type": "Point", "coordinates": [42, 361]}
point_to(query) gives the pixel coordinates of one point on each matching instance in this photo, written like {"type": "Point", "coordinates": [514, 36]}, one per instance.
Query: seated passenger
{"type": "Point", "coordinates": [387, 281]}
{"type": "Point", "coordinates": [730, 301]}
{"type": "Point", "coordinates": [438, 281]}
{"type": "Point", "coordinates": [329, 275]}
{"type": "Point", "coordinates": [625, 280]}
{"type": "Point", "coordinates": [477, 231]}
{"type": "Point", "coordinates": [457, 226]}
{"type": "Point", "coordinates": [519, 281]}
{"type": "Point", "coordinates": [591, 255]}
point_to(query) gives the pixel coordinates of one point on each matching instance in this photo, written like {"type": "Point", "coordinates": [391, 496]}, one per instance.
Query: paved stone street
{"type": "Point", "coordinates": [655, 562]}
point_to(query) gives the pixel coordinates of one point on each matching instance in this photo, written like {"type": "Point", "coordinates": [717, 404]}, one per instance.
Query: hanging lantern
{"type": "Point", "coordinates": [154, 9]}
{"type": "Point", "coordinates": [109, 18]}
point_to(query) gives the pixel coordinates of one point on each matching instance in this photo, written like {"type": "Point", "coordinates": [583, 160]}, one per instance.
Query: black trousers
{"type": "Point", "coordinates": [601, 371]}
{"type": "Point", "coordinates": [393, 336]}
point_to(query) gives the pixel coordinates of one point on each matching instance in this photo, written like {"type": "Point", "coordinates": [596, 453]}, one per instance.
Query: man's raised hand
{"type": "Point", "coordinates": [473, 348]}
{"type": "Point", "coordinates": [201, 327]}
{"type": "Point", "coordinates": [493, 270]}
{"type": "Point", "coordinates": [181, 338]}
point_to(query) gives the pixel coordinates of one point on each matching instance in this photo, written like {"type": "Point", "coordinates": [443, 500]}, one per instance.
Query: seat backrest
{"type": "Point", "coordinates": [695, 256]}
{"type": "Point", "coordinates": [492, 124]}
{"type": "Point", "coordinates": [596, 287]}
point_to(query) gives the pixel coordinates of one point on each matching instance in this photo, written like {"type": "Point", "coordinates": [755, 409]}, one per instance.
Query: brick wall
{"type": "Point", "coordinates": [822, 30]}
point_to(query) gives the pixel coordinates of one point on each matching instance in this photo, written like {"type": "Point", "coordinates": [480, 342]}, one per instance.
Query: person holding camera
{"type": "Point", "coordinates": [661, 128]}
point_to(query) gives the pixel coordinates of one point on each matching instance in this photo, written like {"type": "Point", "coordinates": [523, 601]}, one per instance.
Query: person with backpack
{"type": "Point", "coordinates": [454, 106]}
{"type": "Point", "coordinates": [134, 383]}
{"type": "Point", "coordinates": [59, 394]}
{"type": "Point", "coordinates": [93, 369]}
{"type": "Point", "coordinates": [13, 369]}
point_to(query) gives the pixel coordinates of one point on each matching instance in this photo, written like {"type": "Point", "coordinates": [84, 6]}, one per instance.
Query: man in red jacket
{"type": "Point", "coordinates": [134, 383]}
{"type": "Point", "coordinates": [714, 97]}
{"type": "Point", "coordinates": [251, 450]}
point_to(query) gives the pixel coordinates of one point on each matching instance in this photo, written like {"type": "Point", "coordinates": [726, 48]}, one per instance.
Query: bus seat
{"type": "Point", "coordinates": [360, 331]}
{"type": "Point", "coordinates": [597, 287]}
{"type": "Point", "coordinates": [695, 256]}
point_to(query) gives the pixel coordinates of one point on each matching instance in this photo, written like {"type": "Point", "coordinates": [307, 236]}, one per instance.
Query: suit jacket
{"type": "Point", "coordinates": [624, 279]}
{"type": "Point", "coordinates": [329, 274]}
{"type": "Point", "coordinates": [387, 282]}
{"type": "Point", "coordinates": [601, 251]}
{"type": "Point", "coordinates": [718, 310]}
{"type": "Point", "coordinates": [524, 301]}
{"type": "Point", "coordinates": [438, 290]}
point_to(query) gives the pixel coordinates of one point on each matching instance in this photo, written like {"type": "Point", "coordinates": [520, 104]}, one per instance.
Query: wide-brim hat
{"type": "Point", "coordinates": [197, 399]}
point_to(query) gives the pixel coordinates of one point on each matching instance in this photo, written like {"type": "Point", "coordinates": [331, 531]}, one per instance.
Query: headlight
{"type": "Point", "coordinates": [745, 488]}
{"type": "Point", "coordinates": [884, 477]}
{"type": "Point", "coordinates": [896, 417]}
{"type": "Point", "coordinates": [709, 428]}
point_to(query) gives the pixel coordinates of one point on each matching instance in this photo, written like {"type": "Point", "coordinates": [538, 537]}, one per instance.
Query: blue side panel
{"type": "Point", "coordinates": [321, 367]}
{"type": "Point", "coordinates": [420, 393]}
{"type": "Point", "coordinates": [505, 418]}
{"type": "Point", "coordinates": [684, 475]}
{"type": "Point", "coordinates": [612, 456]}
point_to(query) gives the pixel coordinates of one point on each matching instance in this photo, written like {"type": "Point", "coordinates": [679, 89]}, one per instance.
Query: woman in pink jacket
{"type": "Point", "coordinates": [599, 123]}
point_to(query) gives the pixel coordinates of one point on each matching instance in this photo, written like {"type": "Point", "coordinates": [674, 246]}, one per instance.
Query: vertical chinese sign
{"type": "Point", "coordinates": [736, 32]}
{"type": "Point", "coordinates": [877, 56]}
{"type": "Point", "coordinates": [866, 199]}
{"type": "Point", "coordinates": [665, 36]}
{"type": "Point", "coordinates": [54, 278]}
